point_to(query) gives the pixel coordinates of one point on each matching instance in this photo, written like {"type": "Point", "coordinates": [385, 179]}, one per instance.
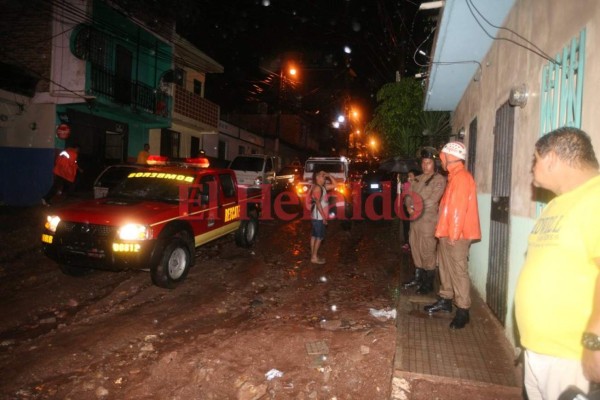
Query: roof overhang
{"type": "Point", "coordinates": [460, 46]}
{"type": "Point", "coordinates": [190, 56]}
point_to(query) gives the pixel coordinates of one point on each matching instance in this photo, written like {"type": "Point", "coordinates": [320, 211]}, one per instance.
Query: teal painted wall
{"type": "Point", "coordinates": [138, 135]}
{"type": "Point", "coordinates": [151, 56]}
{"type": "Point", "coordinates": [478, 257]}
{"type": "Point", "coordinates": [519, 229]}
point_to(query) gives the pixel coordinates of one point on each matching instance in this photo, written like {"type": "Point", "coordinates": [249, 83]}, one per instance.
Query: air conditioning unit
{"type": "Point", "coordinates": [175, 76]}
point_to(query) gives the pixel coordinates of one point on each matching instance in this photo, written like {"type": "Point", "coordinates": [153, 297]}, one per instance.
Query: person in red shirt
{"type": "Point", "coordinates": [65, 172]}
{"type": "Point", "coordinates": [457, 227]}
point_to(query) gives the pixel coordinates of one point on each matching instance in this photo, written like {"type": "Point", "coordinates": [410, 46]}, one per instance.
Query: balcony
{"type": "Point", "coordinates": [137, 95]}
{"type": "Point", "coordinates": [193, 106]}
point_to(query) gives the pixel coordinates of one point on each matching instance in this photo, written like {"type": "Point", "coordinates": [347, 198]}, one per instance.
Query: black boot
{"type": "Point", "coordinates": [419, 275]}
{"type": "Point", "coordinates": [460, 319]}
{"type": "Point", "coordinates": [426, 285]}
{"type": "Point", "coordinates": [444, 305]}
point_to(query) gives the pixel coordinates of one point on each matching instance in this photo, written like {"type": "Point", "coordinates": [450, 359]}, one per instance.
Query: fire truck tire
{"type": "Point", "coordinates": [74, 271]}
{"type": "Point", "coordinates": [174, 264]}
{"type": "Point", "coordinates": [245, 236]}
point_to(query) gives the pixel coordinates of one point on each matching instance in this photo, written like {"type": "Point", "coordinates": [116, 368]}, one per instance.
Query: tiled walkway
{"type": "Point", "coordinates": [478, 355]}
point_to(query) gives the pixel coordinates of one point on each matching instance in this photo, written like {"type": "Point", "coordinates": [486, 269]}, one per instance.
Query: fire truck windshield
{"type": "Point", "coordinates": [151, 186]}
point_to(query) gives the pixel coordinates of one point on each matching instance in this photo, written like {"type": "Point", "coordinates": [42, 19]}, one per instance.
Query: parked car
{"type": "Point", "coordinates": [111, 176]}
{"type": "Point", "coordinates": [378, 187]}
{"type": "Point", "coordinates": [338, 168]}
{"type": "Point", "coordinates": [287, 177]}
{"type": "Point", "coordinates": [255, 169]}
{"type": "Point", "coordinates": [358, 169]}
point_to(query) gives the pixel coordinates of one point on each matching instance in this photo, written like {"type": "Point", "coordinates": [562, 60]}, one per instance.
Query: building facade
{"type": "Point", "coordinates": [537, 74]}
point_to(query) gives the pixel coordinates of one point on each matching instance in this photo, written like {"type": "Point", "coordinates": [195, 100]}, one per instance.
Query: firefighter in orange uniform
{"type": "Point", "coordinates": [457, 227]}
{"type": "Point", "coordinates": [65, 172]}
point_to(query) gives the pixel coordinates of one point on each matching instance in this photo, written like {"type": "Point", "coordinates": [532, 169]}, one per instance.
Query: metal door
{"type": "Point", "coordinates": [496, 287]}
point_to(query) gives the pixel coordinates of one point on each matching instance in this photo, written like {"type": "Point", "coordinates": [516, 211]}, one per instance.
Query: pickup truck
{"type": "Point", "coordinates": [154, 219]}
{"type": "Point", "coordinates": [338, 167]}
{"type": "Point", "coordinates": [254, 170]}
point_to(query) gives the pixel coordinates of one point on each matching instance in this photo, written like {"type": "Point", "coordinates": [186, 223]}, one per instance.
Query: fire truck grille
{"type": "Point", "coordinates": [73, 228]}
{"type": "Point", "coordinates": [87, 239]}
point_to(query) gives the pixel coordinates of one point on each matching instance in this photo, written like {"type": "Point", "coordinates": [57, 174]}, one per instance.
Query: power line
{"type": "Point", "coordinates": [538, 51]}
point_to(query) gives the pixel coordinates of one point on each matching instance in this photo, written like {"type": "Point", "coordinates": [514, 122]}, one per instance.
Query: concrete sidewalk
{"type": "Point", "coordinates": [433, 361]}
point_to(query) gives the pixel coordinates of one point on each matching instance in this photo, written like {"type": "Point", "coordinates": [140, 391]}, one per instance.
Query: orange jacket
{"type": "Point", "coordinates": [459, 216]}
{"type": "Point", "coordinates": [66, 164]}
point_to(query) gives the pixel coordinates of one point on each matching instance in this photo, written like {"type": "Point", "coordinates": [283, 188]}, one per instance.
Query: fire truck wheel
{"type": "Point", "coordinates": [174, 264]}
{"type": "Point", "coordinates": [74, 271]}
{"type": "Point", "coordinates": [245, 236]}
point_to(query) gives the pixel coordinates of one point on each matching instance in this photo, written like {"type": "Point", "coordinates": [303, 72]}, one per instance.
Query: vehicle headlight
{"type": "Point", "coordinates": [134, 232]}
{"type": "Point", "coordinates": [52, 222]}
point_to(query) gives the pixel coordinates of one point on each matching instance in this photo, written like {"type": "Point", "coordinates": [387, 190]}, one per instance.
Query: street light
{"type": "Point", "coordinates": [292, 71]}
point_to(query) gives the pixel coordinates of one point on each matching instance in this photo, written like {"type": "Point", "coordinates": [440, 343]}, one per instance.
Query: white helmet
{"type": "Point", "coordinates": [457, 149]}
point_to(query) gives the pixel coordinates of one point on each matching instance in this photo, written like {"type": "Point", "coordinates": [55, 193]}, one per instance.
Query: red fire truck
{"type": "Point", "coordinates": [154, 219]}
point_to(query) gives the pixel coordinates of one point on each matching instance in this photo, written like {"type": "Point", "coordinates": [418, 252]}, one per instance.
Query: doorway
{"type": "Point", "coordinates": [497, 285]}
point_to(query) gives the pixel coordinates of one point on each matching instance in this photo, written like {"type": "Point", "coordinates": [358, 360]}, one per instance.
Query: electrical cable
{"type": "Point", "coordinates": [539, 53]}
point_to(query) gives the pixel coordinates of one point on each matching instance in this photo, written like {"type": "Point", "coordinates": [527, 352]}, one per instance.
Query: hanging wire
{"type": "Point", "coordinates": [537, 50]}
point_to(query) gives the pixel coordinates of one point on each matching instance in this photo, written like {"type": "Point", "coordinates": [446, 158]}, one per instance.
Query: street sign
{"type": "Point", "coordinates": [63, 131]}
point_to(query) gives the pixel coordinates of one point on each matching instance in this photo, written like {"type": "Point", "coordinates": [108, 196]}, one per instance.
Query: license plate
{"type": "Point", "coordinates": [374, 185]}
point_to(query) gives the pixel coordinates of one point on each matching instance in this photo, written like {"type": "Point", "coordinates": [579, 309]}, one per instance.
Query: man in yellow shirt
{"type": "Point", "coordinates": [558, 291]}
{"type": "Point", "coordinates": [143, 155]}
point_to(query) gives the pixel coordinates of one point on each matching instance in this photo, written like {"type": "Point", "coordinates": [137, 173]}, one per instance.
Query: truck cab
{"type": "Point", "coordinates": [253, 170]}
{"type": "Point", "coordinates": [338, 167]}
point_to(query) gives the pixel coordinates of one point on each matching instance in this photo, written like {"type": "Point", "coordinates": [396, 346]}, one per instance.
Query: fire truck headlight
{"type": "Point", "coordinates": [52, 222]}
{"type": "Point", "coordinates": [134, 232]}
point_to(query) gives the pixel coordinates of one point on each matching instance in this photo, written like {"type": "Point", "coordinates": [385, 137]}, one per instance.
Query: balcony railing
{"type": "Point", "coordinates": [139, 96]}
{"type": "Point", "coordinates": [196, 107]}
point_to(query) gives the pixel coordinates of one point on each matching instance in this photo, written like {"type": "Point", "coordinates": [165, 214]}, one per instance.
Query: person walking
{"type": "Point", "coordinates": [65, 172]}
{"type": "Point", "coordinates": [322, 182]}
{"type": "Point", "coordinates": [457, 227]}
{"type": "Point", "coordinates": [557, 298]}
{"type": "Point", "coordinates": [143, 155]}
{"type": "Point", "coordinates": [422, 203]}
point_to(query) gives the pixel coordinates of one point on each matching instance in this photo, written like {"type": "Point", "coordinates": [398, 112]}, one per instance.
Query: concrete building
{"type": "Point", "coordinates": [511, 71]}
{"type": "Point", "coordinates": [108, 78]}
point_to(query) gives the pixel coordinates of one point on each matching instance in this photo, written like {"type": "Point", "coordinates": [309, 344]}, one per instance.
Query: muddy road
{"type": "Point", "coordinates": [259, 323]}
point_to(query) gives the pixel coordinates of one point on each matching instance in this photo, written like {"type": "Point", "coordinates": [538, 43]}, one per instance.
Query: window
{"type": "Point", "coordinates": [472, 146]}
{"type": "Point", "coordinates": [227, 185]}
{"type": "Point", "coordinates": [113, 150]}
{"type": "Point", "coordinates": [247, 164]}
{"type": "Point", "coordinates": [169, 143]}
{"type": "Point", "coordinates": [197, 87]}
{"type": "Point", "coordinates": [207, 190]}
{"type": "Point", "coordinates": [241, 149]}
{"type": "Point", "coordinates": [222, 150]}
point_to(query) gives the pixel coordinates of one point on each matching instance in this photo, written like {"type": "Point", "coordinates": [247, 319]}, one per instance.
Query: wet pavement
{"type": "Point", "coordinates": [263, 296]}
{"type": "Point", "coordinates": [435, 362]}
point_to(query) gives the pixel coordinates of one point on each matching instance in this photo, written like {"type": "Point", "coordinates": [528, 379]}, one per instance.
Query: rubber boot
{"type": "Point", "coordinates": [460, 319]}
{"type": "Point", "coordinates": [444, 305]}
{"type": "Point", "coordinates": [426, 285]}
{"type": "Point", "coordinates": [419, 275]}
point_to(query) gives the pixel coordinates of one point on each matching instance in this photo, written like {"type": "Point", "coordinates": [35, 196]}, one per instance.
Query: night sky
{"type": "Point", "coordinates": [250, 38]}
